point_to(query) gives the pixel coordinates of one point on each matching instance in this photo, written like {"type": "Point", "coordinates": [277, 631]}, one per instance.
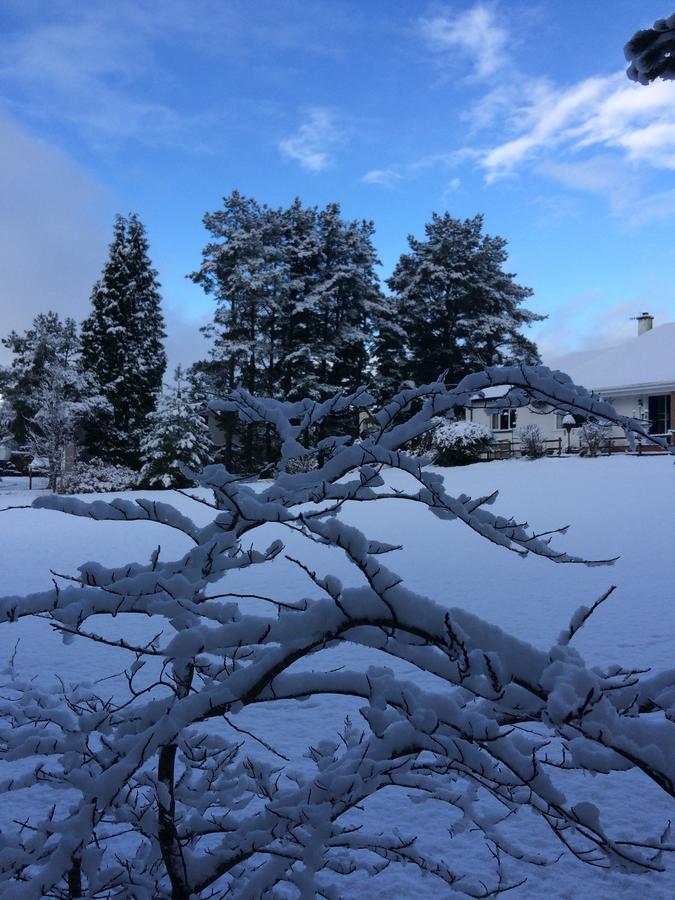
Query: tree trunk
{"type": "Point", "coordinates": [169, 843]}
{"type": "Point", "coordinates": [75, 878]}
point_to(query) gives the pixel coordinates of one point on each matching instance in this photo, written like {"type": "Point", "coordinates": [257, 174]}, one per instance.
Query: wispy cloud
{"type": "Point", "coordinates": [603, 113]}
{"type": "Point", "coordinates": [389, 176]}
{"type": "Point", "coordinates": [114, 72]}
{"type": "Point", "coordinates": [98, 70]}
{"type": "Point", "coordinates": [385, 177]}
{"type": "Point", "coordinates": [475, 34]}
{"type": "Point", "coordinates": [601, 135]}
{"type": "Point", "coordinates": [314, 141]}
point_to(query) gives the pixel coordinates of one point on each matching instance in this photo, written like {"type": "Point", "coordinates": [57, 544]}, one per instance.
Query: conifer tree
{"type": "Point", "coordinates": [296, 293]}
{"type": "Point", "coordinates": [458, 309]}
{"type": "Point", "coordinates": [178, 435]}
{"type": "Point", "coordinates": [122, 343]}
{"type": "Point", "coordinates": [49, 340]}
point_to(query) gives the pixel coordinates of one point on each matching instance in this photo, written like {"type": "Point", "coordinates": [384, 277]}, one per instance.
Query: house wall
{"type": "Point", "coordinates": [548, 422]}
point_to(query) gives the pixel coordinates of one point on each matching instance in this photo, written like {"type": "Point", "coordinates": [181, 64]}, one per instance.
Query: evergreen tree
{"type": "Point", "coordinates": [48, 341]}
{"type": "Point", "coordinates": [122, 343]}
{"type": "Point", "coordinates": [350, 300]}
{"type": "Point", "coordinates": [296, 291]}
{"type": "Point", "coordinates": [242, 269]}
{"type": "Point", "coordinates": [458, 309]}
{"type": "Point", "coordinates": [178, 435]}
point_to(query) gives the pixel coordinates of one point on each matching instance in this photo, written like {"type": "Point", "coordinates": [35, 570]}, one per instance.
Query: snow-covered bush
{"type": "Point", "coordinates": [592, 439]}
{"type": "Point", "coordinates": [178, 439]}
{"type": "Point", "coordinates": [299, 464]}
{"type": "Point", "coordinates": [531, 440]}
{"type": "Point", "coordinates": [98, 477]}
{"type": "Point", "coordinates": [459, 443]}
{"type": "Point", "coordinates": [144, 787]}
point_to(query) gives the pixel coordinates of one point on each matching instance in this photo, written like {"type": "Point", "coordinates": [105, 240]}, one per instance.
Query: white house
{"type": "Point", "coordinates": [637, 377]}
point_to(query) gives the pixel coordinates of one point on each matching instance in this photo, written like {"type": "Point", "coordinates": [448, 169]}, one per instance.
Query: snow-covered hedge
{"type": "Point", "coordinates": [459, 443]}
{"type": "Point", "coordinates": [98, 477]}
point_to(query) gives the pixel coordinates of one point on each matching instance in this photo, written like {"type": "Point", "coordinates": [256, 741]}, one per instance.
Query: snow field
{"type": "Point", "coordinates": [617, 506]}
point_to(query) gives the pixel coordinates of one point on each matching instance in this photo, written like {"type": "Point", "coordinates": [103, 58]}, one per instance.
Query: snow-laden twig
{"type": "Point", "coordinates": [202, 815]}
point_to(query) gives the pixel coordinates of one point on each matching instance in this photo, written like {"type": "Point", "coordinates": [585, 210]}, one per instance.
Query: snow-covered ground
{"type": "Point", "coordinates": [619, 506]}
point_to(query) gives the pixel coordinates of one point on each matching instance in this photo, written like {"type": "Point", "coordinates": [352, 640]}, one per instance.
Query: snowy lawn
{"type": "Point", "coordinates": [619, 506]}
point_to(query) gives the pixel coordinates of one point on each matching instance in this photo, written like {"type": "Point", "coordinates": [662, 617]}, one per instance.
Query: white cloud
{"type": "Point", "coordinates": [385, 177]}
{"type": "Point", "coordinates": [604, 113]}
{"type": "Point", "coordinates": [313, 142]}
{"type": "Point", "coordinates": [55, 224]}
{"type": "Point", "coordinates": [475, 34]}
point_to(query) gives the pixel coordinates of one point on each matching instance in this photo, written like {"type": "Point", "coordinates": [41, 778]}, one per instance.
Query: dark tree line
{"type": "Point", "coordinates": [102, 379]}
{"type": "Point", "coordinates": [299, 312]}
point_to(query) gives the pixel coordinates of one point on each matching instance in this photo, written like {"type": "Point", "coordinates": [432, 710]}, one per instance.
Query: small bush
{"type": "Point", "coordinates": [592, 439]}
{"type": "Point", "coordinates": [459, 443]}
{"type": "Point", "coordinates": [98, 477]}
{"type": "Point", "coordinates": [531, 440]}
{"type": "Point", "coordinates": [302, 464]}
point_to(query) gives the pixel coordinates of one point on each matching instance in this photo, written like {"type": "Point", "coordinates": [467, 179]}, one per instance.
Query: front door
{"type": "Point", "coordinates": [659, 414]}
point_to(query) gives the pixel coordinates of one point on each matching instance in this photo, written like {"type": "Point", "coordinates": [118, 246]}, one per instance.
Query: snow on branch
{"type": "Point", "coordinates": [161, 785]}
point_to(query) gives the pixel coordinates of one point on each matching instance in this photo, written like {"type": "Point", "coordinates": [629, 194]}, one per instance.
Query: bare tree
{"type": "Point", "coordinates": [200, 816]}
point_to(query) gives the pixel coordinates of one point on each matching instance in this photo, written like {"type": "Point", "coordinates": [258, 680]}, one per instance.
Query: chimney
{"type": "Point", "coordinates": [645, 322]}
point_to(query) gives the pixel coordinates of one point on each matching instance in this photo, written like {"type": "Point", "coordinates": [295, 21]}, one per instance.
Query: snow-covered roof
{"type": "Point", "coordinates": [490, 393]}
{"type": "Point", "coordinates": [644, 362]}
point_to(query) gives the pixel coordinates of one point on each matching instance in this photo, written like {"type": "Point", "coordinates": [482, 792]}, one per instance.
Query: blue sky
{"type": "Point", "coordinates": [521, 111]}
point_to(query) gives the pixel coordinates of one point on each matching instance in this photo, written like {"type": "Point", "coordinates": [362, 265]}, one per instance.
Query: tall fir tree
{"type": "Point", "coordinates": [457, 309]}
{"type": "Point", "coordinates": [122, 344]}
{"type": "Point", "coordinates": [178, 436]}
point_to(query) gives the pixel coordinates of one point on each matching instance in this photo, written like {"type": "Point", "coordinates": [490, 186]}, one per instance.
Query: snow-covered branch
{"type": "Point", "coordinates": [157, 789]}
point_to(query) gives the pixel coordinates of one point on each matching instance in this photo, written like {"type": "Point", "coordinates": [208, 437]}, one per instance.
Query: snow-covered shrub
{"type": "Point", "coordinates": [98, 477]}
{"type": "Point", "coordinates": [178, 438]}
{"type": "Point", "coordinates": [459, 443]}
{"type": "Point", "coordinates": [299, 464]}
{"type": "Point", "coordinates": [592, 439]}
{"type": "Point", "coordinates": [531, 440]}
{"type": "Point", "coordinates": [143, 786]}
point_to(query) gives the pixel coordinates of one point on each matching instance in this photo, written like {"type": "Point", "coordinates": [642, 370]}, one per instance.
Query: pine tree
{"type": "Point", "coordinates": [242, 268]}
{"type": "Point", "coordinates": [48, 341]}
{"type": "Point", "coordinates": [458, 308]}
{"type": "Point", "coordinates": [122, 343]}
{"type": "Point", "coordinates": [297, 292]}
{"type": "Point", "coordinates": [178, 435]}
{"type": "Point", "coordinates": [350, 299]}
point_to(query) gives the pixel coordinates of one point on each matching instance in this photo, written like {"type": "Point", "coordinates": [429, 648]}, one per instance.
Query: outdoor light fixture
{"type": "Point", "coordinates": [568, 424]}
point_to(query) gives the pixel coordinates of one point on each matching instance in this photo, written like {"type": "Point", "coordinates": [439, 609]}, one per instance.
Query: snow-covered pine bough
{"type": "Point", "coordinates": [158, 791]}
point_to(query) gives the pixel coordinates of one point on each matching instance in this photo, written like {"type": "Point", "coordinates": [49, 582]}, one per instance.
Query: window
{"type": "Point", "coordinates": [659, 414]}
{"type": "Point", "coordinates": [504, 420]}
